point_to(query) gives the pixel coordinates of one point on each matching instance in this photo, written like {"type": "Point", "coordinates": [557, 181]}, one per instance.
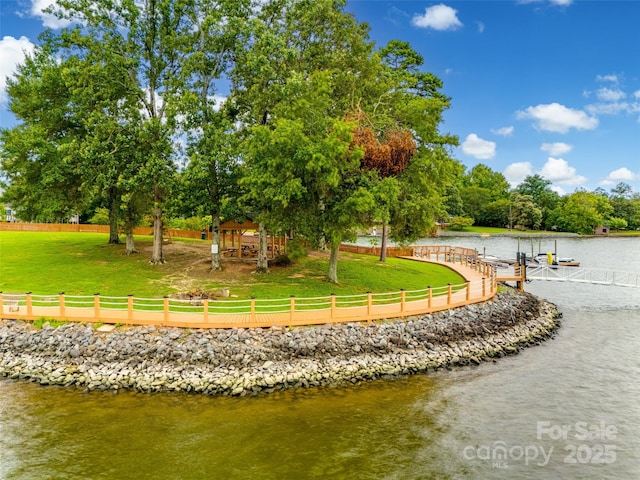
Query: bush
{"type": "Point", "coordinates": [101, 217]}
{"type": "Point", "coordinates": [296, 249]}
{"type": "Point", "coordinates": [460, 223]}
{"type": "Point", "coordinates": [280, 261]}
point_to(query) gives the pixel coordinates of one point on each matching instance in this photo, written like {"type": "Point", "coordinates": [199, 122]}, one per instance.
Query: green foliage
{"type": "Point", "coordinates": [581, 212]}
{"type": "Point", "coordinates": [460, 223]}
{"type": "Point", "coordinates": [100, 217]}
{"type": "Point", "coordinates": [191, 223]}
{"type": "Point", "coordinates": [296, 249]}
{"type": "Point", "coordinates": [618, 223]}
{"type": "Point", "coordinates": [280, 261]}
{"type": "Point", "coordinates": [41, 322]}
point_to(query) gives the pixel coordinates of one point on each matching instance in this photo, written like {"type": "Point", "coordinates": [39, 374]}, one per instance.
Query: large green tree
{"type": "Point", "coordinates": [581, 212]}
{"type": "Point", "coordinates": [399, 113]}
{"type": "Point", "coordinates": [42, 183]}
{"type": "Point", "coordinates": [297, 53]}
{"type": "Point", "coordinates": [209, 47]}
{"type": "Point", "coordinates": [539, 189]}
{"type": "Point", "coordinates": [137, 43]}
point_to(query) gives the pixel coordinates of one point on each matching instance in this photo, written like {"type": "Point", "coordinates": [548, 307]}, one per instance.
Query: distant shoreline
{"type": "Point", "coordinates": [250, 361]}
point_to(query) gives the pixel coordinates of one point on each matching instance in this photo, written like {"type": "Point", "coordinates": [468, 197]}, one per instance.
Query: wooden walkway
{"type": "Point", "coordinates": [480, 285]}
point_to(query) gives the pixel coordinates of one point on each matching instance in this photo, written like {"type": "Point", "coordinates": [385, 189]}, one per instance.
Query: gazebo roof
{"type": "Point", "coordinates": [247, 224]}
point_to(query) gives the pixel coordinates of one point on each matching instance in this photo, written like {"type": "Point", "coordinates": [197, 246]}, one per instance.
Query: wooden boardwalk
{"type": "Point", "coordinates": [480, 285]}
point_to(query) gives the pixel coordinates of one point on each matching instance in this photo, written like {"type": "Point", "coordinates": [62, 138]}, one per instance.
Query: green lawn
{"type": "Point", "coordinates": [84, 264]}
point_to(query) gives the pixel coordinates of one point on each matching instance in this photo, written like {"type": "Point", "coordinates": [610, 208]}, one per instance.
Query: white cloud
{"type": "Point", "coordinates": [557, 148]}
{"type": "Point", "coordinates": [607, 78]}
{"type": "Point", "coordinates": [439, 17]}
{"type": "Point", "coordinates": [557, 170]}
{"type": "Point", "coordinates": [48, 20]}
{"type": "Point", "coordinates": [517, 172]}
{"type": "Point", "coordinates": [480, 26]}
{"type": "Point", "coordinates": [504, 131]}
{"type": "Point", "coordinates": [621, 175]}
{"type": "Point", "coordinates": [554, 117]}
{"type": "Point", "coordinates": [612, 108]}
{"type": "Point", "coordinates": [636, 94]}
{"type": "Point", "coordinates": [560, 3]}
{"type": "Point", "coordinates": [12, 53]}
{"type": "Point", "coordinates": [610, 95]}
{"type": "Point", "coordinates": [478, 148]}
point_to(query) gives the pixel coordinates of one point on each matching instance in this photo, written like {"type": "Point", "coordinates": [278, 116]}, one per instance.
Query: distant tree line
{"type": "Point", "coordinates": [483, 197]}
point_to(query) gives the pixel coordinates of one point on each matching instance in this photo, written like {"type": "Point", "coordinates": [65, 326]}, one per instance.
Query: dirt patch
{"type": "Point", "coordinates": [188, 267]}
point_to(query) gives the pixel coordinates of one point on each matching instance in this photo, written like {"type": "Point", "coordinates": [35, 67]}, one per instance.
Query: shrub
{"type": "Point", "coordinates": [280, 261]}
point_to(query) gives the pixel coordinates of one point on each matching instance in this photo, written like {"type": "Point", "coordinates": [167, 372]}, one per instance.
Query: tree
{"type": "Point", "coordinates": [540, 191]}
{"type": "Point", "coordinates": [303, 172]}
{"type": "Point", "coordinates": [582, 212]}
{"type": "Point", "coordinates": [481, 187]}
{"type": "Point", "coordinates": [213, 170]}
{"type": "Point", "coordinates": [626, 204]}
{"type": "Point", "coordinates": [296, 75]}
{"type": "Point", "coordinates": [137, 44]}
{"type": "Point", "coordinates": [495, 183]}
{"type": "Point", "coordinates": [398, 113]}
{"type": "Point", "coordinates": [42, 184]}
{"type": "Point", "coordinates": [524, 211]}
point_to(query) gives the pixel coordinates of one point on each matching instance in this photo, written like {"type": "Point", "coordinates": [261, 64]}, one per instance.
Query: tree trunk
{"type": "Point", "coordinates": [383, 243]}
{"type": "Point", "coordinates": [157, 256]}
{"type": "Point", "coordinates": [216, 256]}
{"type": "Point", "coordinates": [130, 247]}
{"type": "Point", "coordinates": [333, 263]}
{"type": "Point", "coordinates": [263, 260]}
{"type": "Point", "coordinates": [114, 210]}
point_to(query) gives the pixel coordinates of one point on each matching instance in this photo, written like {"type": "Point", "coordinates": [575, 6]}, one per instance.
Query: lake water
{"type": "Point", "coordinates": [569, 408]}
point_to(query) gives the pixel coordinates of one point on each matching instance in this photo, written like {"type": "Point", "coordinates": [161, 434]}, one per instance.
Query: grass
{"type": "Point", "coordinates": [84, 264]}
{"type": "Point", "coordinates": [500, 230]}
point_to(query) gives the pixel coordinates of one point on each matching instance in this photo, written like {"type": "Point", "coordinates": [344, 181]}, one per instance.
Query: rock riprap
{"type": "Point", "coordinates": [247, 361]}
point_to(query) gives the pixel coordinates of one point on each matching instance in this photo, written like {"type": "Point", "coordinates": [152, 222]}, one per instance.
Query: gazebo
{"type": "Point", "coordinates": [245, 245]}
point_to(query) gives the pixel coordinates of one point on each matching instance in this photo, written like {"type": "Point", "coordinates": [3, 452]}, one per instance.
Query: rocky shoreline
{"type": "Point", "coordinates": [249, 361]}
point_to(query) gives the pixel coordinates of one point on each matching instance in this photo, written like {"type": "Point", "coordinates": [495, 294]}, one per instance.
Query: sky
{"type": "Point", "coordinates": [548, 87]}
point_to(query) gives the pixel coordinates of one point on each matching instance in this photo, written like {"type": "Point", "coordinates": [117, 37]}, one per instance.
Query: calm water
{"type": "Point", "coordinates": [569, 408]}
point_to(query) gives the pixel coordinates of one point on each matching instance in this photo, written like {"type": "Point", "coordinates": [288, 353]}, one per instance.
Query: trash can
{"type": "Point", "coordinates": [203, 235]}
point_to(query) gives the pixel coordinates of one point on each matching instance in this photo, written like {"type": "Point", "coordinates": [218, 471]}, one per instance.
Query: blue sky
{"type": "Point", "coordinates": [546, 87]}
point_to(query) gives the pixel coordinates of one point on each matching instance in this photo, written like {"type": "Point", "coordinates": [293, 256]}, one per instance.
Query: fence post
{"type": "Point", "coordinates": [96, 305]}
{"type": "Point", "coordinates": [333, 305]}
{"type": "Point", "coordinates": [253, 309]}
{"type": "Point", "coordinates": [292, 307]}
{"type": "Point", "coordinates": [205, 310]}
{"type": "Point", "coordinates": [448, 294]}
{"type": "Point", "coordinates": [468, 290]}
{"type": "Point", "coordinates": [165, 307]}
{"type": "Point", "coordinates": [29, 304]}
{"type": "Point", "coordinates": [403, 296]}
{"type": "Point", "coordinates": [429, 296]}
{"type": "Point", "coordinates": [484, 286]}
{"type": "Point", "coordinates": [61, 303]}
{"type": "Point", "coordinates": [1, 304]}
{"type": "Point", "coordinates": [369, 303]}
{"type": "Point", "coordinates": [130, 306]}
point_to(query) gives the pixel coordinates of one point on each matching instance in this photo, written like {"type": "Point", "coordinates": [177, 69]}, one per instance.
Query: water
{"type": "Point", "coordinates": [569, 408]}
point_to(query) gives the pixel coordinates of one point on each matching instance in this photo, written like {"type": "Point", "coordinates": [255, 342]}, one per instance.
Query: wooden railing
{"type": "Point", "coordinates": [223, 313]}
{"type": "Point", "coordinates": [480, 285]}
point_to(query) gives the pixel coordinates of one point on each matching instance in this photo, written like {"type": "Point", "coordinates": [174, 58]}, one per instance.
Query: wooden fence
{"type": "Point", "coordinates": [480, 285]}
